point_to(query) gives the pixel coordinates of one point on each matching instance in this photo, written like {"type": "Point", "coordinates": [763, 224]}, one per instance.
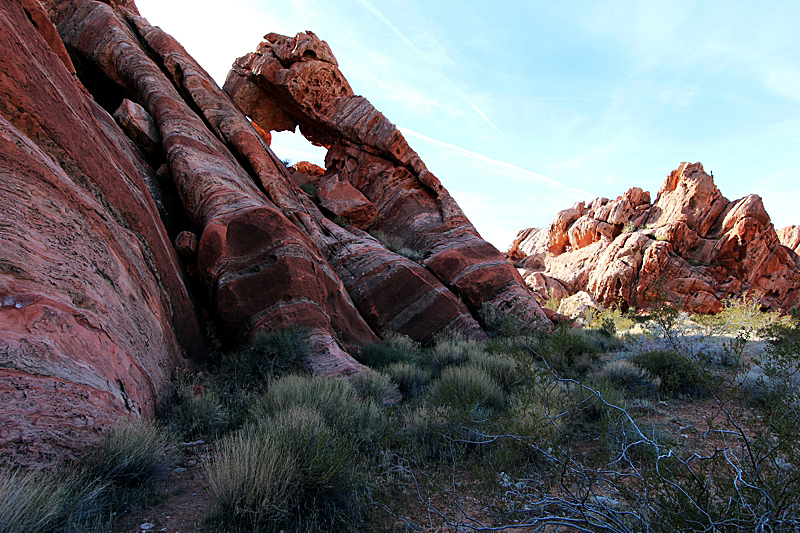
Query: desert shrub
{"type": "Point", "coordinates": [394, 348]}
{"type": "Point", "coordinates": [390, 242]}
{"type": "Point", "coordinates": [291, 472]}
{"type": "Point", "coordinates": [429, 432]}
{"type": "Point", "coordinates": [449, 350]}
{"type": "Point", "coordinates": [309, 188]}
{"type": "Point", "coordinates": [134, 454]}
{"type": "Point", "coordinates": [468, 388]}
{"type": "Point", "coordinates": [51, 502]}
{"type": "Point", "coordinates": [552, 302]}
{"type": "Point", "coordinates": [679, 377]}
{"type": "Point", "coordinates": [590, 409]}
{"type": "Point", "coordinates": [500, 323]}
{"type": "Point", "coordinates": [630, 440]}
{"type": "Point", "coordinates": [408, 253]}
{"type": "Point", "coordinates": [628, 377]}
{"type": "Point", "coordinates": [502, 369]}
{"type": "Point", "coordinates": [335, 400]}
{"type": "Point", "coordinates": [409, 377]}
{"type": "Point", "coordinates": [198, 411]}
{"type": "Point", "coordinates": [609, 320]}
{"type": "Point", "coordinates": [757, 390]}
{"type": "Point", "coordinates": [374, 386]}
{"type": "Point", "coordinates": [267, 355]}
{"type": "Point", "coordinates": [630, 227]}
{"type": "Point", "coordinates": [569, 353]}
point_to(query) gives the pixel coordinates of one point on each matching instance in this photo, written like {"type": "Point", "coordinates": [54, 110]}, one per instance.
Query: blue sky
{"type": "Point", "coordinates": [524, 108]}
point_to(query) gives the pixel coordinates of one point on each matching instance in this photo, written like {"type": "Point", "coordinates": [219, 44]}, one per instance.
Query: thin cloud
{"type": "Point", "coordinates": [511, 168]}
{"type": "Point", "coordinates": [424, 57]}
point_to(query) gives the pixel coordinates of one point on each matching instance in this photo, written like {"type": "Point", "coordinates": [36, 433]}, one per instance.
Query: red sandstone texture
{"type": "Point", "coordinates": [691, 242]}
{"type": "Point", "coordinates": [374, 180]}
{"type": "Point", "coordinates": [95, 313]}
{"type": "Point", "coordinates": [126, 170]}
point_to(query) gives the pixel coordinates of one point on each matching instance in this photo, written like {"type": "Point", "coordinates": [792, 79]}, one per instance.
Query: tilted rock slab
{"type": "Point", "coordinates": [296, 81]}
{"type": "Point", "coordinates": [263, 273]}
{"type": "Point", "coordinates": [691, 243]}
{"type": "Point", "coordinates": [95, 314]}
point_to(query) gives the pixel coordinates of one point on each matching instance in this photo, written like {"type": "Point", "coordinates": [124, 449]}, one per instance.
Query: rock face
{"type": "Point", "coordinates": [95, 312]}
{"type": "Point", "coordinates": [385, 185]}
{"type": "Point", "coordinates": [138, 194]}
{"type": "Point", "coordinates": [691, 243]}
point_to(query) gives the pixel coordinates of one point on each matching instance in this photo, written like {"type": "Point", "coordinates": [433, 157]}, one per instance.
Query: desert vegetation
{"type": "Point", "coordinates": [657, 423]}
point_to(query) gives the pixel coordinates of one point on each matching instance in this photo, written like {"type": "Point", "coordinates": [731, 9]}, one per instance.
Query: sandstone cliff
{"type": "Point", "coordinates": [117, 144]}
{"type": "Point", "coordinates": [691, 242]}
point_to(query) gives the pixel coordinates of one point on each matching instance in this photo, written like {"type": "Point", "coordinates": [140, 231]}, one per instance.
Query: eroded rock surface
{"type": "Point", "coordinates": [95, 313]}
{"type": "Point", "coordinates": [692, 243]}
{"type": "Point", "coordinates": [135, 189]}
{"type": "Point", "coordinates": [296, 81]}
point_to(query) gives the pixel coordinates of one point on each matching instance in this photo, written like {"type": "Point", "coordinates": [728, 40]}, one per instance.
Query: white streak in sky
{"type": "Point", "coordinates": [496, 163]}
{"type": "Point", "coordinates": [424, 57]}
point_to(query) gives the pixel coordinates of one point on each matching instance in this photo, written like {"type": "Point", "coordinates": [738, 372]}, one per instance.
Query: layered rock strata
{"type": "Point", "coordinates": [117, 150]}
{"type": "Point", "coordinates": [691, 243]}
{"type": "Point", "coordinates": [291, 82]}
{"type": "Point", "coordinates": [95, 312]}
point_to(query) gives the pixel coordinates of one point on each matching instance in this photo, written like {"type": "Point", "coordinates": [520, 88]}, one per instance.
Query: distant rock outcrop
{"type": "Point", "coordinates": [137, 197]}
{"type": "Point", "coordinates": [692, 243]}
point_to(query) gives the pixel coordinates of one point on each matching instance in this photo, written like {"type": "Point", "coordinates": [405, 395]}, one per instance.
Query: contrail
{"type": "Point", "coordinates": [496, 163]}
{"type": "Point", "coordinates": [408, 42]}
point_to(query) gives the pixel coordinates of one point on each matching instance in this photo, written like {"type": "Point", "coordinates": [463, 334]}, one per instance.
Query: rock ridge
{"type": "Point", "coordinates": [691, 242]}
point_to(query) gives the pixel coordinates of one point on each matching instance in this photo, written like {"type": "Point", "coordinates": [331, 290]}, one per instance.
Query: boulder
{"type": "Point", "coordinates": [575, 306]}
{"type": "Point", "coordinates": [139, 126]}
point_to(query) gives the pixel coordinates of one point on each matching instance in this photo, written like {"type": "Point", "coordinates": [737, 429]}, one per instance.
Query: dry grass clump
{"type": "Point", "coordinates": [628, 377]}
{"type": "Point", "coordinates": [468, 387]}
{"type": "Point", "coordinates": [335, 399]}
{"type": "Point", "coordinates": [52, 502]}
{"type": "Point", "coordinates": [290, 472]}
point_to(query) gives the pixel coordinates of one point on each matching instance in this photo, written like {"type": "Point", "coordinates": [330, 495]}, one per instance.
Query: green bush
{"type": "Point", "coordinates": [292, 472]}
{"type": "Point", "coordinates": [51, 502]}
{"type": "Point", "coordinates": [134, 454]}
{"type": "Point", "coordinates": [679, 377]}
{"type": "Point", "coordinates": [375, 387]}
{"type": "Point", "coordinates": [429, 432]}
{"type": "Point", "coordinates": [468, 388]}
{"type": "Point", "coordinates": [409, 377]}
{"type": "Point", "coordinates": [408, 253]}
{"type": "Point", "coordinates": [569, 353]}
{"type": "Point", "coordinates": [590, 409]}
{"type": "Point", "coordinates": [611, 320]}
{"type": "Point", "coordinates": [500, 323]}
{"type": "Point", "coordinates": [335, 399]}
{"type": "Point", "coordinates": [502, 369]}
{"type": "Point", "coordinates": [267, 355]}
{"type": "Point", "coordinates": [449, 350]}
{"type": "Point", "coordinates": [390, 242]}
{"type": "Point", "coordinates": [628, 377]}
{"type": "Point", "coordinates": [394, 349]}
{"type": "Point", "coordinates": [198, 411]}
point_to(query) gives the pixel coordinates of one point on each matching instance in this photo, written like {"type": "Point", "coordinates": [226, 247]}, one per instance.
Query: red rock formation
{"type": "Point", "coordinates": [790, 237]}
{"type": "Point", "coordinates": [94, 311]}
{"type": "Point", "coordinates": [701, 247]}
{"type": "Point", "coordinates": [295, 81]}
{"type": "Point", "coordinates": [94, 308]}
